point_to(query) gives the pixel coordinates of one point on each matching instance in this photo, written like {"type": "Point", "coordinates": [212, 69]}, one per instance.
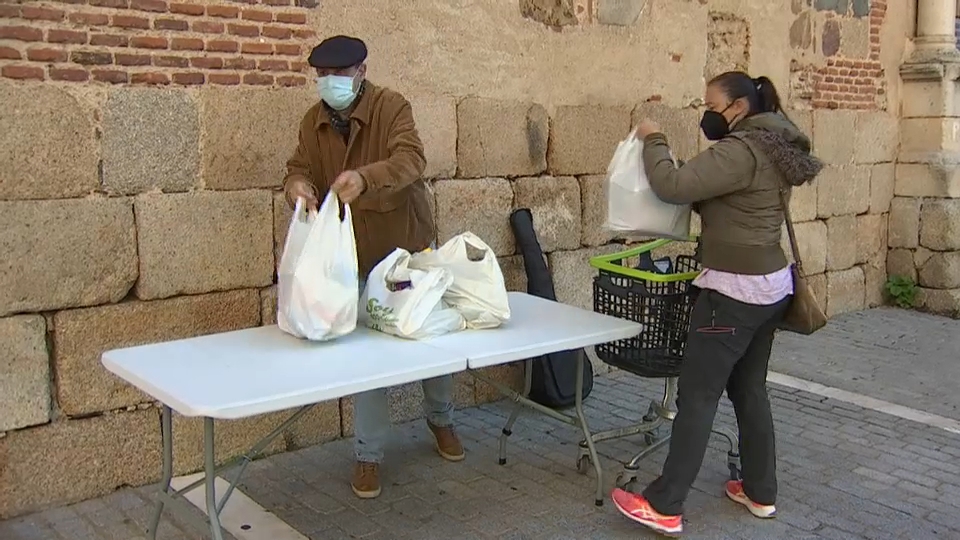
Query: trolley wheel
{"type": "Point", "coordinates": [734, 472]}
{"type": "Point", "coordinates": [625, 482]}
{"type": "Point", "coordinates": [583, 464]}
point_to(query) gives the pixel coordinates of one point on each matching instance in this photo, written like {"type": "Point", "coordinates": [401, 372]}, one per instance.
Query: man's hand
{"type": "Point", "coordinates": [302, 189]}
{"type": "Point", "coordinates": [647, 127]}
{"type": "Point", "coordinates": [348, 186]}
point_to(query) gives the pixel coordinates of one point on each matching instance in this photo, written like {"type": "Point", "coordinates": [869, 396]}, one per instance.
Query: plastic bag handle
{"type": "Point", "coordinates": [299, 210]}
{"type": "Point", "coordinates": [473, 240]}
{"type": "Point", "coordinates": [328, 201]}
{"type": "Point", "coordinates": [330, 212]}
{"type": "Point", "coordinates": [332, 201]}
{"type": "Point", "coordinates": [347, 215]}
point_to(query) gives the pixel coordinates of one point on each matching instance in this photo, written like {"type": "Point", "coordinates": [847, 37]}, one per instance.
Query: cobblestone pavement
{"type": "Point", "coordinates": [845, 472]}
{"type": "Point", "coordinates": [911, 359]}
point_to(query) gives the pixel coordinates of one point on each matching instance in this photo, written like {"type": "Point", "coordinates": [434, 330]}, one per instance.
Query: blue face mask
{"type": "Point", "coordinates": [336, 91]}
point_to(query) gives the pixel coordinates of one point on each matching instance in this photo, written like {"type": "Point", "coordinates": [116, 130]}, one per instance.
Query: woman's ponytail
{"type": "Point", "coordinates": [768, 97]}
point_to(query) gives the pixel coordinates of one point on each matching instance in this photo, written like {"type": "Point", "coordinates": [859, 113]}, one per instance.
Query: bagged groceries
{"type": "Point", "coordinates": [632, 207]}
{"type": "Point", "coordinates": [478, 291]}
{"type": "Point", "coordinates": [406, 302]}
{"type": "Point", "coordinates": [317, 296]}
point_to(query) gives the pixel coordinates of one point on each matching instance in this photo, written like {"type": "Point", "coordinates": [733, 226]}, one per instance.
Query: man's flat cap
{"type": "Point", "coordinates": [338, 52]}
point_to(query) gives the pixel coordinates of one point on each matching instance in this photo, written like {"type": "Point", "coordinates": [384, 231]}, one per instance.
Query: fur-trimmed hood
{"type": "Point", "coordinates": [783, 144]}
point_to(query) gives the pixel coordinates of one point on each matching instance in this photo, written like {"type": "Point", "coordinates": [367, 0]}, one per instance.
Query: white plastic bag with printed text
{"type": "Point", "coordinates": [478, 291]}
{"type": "Point", "coordinates": [317, 283]}
{"type": "Point", "coordinates": [633, 209]}
{"type": "Point", "coordinates": [408, 303]}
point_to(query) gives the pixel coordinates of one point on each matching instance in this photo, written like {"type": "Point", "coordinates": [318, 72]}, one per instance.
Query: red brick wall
{"type": "Point", "coordinates": [155, 42]}
{"type": "Point", "coordinates": [854, 83]}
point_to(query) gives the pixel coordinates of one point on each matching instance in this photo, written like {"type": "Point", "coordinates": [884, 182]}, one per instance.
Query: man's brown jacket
{"type": "Point", "coordinates": [385, 149]}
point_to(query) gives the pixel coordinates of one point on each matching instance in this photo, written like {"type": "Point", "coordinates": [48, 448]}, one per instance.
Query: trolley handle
{"type": "Point", "coordinates": [611, 263]}
{"type": "Point", "coordinates": [608, 284]}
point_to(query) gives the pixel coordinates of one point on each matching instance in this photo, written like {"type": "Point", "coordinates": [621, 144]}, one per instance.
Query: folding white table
{"type": "Point", "coordinates": [248, 372]}
{"type": "Point", "coordinates": [536, 327]}
{"type": "Point", "coordinates": [260, 370]}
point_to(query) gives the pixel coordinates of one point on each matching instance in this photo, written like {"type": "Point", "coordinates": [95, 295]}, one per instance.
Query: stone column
{"type": "Point", "coordinates": [936, 29]}
{"type": "Point", "coordinates": [924, 225]}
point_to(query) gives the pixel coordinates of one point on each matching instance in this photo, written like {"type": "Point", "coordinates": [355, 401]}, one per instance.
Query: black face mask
{"type": "Point", "coordinates": [714, 125]}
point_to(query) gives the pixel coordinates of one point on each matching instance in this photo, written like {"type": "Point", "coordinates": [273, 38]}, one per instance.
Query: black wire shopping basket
{"type": "Point", "coordinates": [655, 293]}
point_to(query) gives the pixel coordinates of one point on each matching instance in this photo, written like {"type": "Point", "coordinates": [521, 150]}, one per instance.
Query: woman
{"type": "Point", "coordinates": [745, 287]}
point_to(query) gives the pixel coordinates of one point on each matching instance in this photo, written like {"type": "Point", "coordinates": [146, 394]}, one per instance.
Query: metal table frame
{"type": "Point", "coordinates": [176, 499]}
{"type": "Point", "coordinates": [454, 356]}
{"type": "Point", "coordinates": [521, 399]}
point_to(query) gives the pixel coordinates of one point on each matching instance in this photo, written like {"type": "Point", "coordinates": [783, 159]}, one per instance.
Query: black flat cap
{"type": "Point", "coordinates": [338, 52]}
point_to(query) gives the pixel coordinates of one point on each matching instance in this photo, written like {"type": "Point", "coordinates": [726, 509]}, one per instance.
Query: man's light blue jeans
{"type": "Point", "coordinates": [371, 413]}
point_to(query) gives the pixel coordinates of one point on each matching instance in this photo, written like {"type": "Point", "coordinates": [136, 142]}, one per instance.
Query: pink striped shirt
{"type": "Point", "coordinates": [762, 290]}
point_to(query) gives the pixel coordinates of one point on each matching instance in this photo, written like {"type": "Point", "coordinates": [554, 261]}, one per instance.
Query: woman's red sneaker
{"type": "Point", "coordinates": [638, 509]}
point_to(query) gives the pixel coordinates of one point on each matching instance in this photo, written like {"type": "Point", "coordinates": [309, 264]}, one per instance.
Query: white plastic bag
{"type": "Point", "coordinates": [632, 206]}
{"type": "Point", "coordinates": [317, 283]}
{"type": "Point", "coordinates": [478, 291]}
{"type": "Point", "coordinates": [408, 303]}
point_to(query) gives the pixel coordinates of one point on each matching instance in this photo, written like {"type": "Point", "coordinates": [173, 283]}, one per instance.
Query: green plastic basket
{"type": "Point", "coordinates": [661, 302]}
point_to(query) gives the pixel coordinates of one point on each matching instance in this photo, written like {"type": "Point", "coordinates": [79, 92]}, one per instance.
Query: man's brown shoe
{"type": "Point", "coordinates": [448, 444]}
{"type": "Point", "coordinates": [366, 480]}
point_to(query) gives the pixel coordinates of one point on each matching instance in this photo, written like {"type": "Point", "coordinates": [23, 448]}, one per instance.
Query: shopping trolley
{"type": "Point", "coordinates": [658, 293]}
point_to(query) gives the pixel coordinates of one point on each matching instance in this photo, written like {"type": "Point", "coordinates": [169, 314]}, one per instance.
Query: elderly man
{"type": "Point", "coordinates": [360, 141]}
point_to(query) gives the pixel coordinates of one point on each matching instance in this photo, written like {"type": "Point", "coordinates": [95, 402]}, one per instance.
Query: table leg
{"type": "Point", "coordinates": [174, 500]}
{"type": "Point", "coordinates": [518, 406]}
{"type": "Point", "coordinates": [522, 400]}
{"type": "Point", "coordinates": [210, 472]}
{"type": "Point", "coordinates": [166, 434]}
{"type": "Point", "coordinates": [588, 438]}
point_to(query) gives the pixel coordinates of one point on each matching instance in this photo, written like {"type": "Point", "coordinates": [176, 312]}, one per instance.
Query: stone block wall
{"type": "Point", "coordinates": [925, 241]}
{"type": "Point", "coordinates": [144, 205]}
{"type": "Point", "coordinates": [842, 216]}
{"type": "Point", "coordinates": [145, 264]}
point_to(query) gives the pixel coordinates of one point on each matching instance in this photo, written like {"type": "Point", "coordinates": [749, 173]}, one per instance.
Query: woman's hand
{"type": "Point", "coordinates": [647, 127]}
